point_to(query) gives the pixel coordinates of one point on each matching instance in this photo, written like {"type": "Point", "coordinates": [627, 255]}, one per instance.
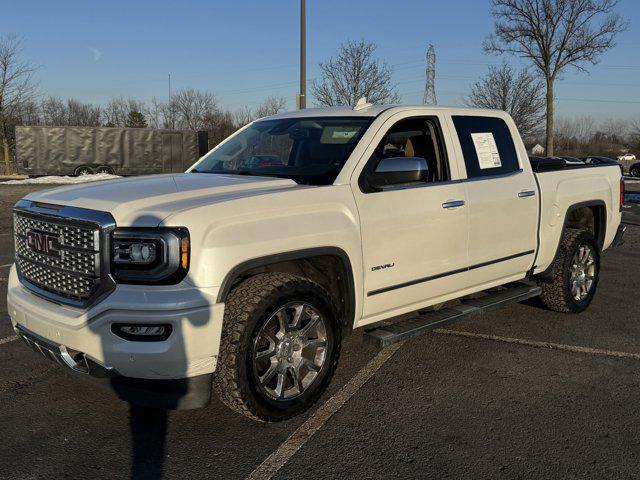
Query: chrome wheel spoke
{"type": "Point", "coordinates": [269, 374]}
{"type": "Point", "coordinates": [297, 379]}
{"type": "Point", "coordinates": [311, 365]}
{"type": "Point", "coordinates": [279, 390]}
{"type": "Point", "coordinates": [315, 343]}
{"type": "Point", "coordinates": [297, 316]}
{"type": "Point", "coordinates": [304, 333]}
{"type": "Point", "coordinates": [283, 322]}
{"type": "Point", "coordinates": [270, 352]}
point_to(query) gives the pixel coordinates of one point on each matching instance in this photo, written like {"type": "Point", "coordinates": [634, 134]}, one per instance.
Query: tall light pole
{"type": "Point", "coordinates": [302, 96]}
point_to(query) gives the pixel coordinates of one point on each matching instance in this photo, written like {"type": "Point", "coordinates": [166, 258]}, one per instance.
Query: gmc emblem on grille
{"type": "Point", "coordinates": [42, 242]}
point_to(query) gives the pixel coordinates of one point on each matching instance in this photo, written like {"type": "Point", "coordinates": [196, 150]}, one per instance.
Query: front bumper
{"type": "Point", "coordinates": [175, 373]}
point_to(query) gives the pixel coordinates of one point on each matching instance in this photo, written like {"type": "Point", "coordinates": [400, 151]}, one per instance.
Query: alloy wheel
{"type": "Point", "coordinates": [582, 273]}
{"type": "Point", "coordinates": [290, 351]}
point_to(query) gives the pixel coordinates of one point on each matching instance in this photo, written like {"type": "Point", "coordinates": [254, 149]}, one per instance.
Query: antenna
{"type": "Point", "coordinates": [430, 84]}
{"type": "Point", "coordinates": [362, 104]}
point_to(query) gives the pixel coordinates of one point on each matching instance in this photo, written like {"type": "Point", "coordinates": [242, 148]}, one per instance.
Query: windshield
{"type": "Point", "coordinates": [311, 151]}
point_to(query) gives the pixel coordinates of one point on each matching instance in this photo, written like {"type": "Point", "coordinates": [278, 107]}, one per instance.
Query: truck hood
{"type": "Point", "coordinates": [146, 201]}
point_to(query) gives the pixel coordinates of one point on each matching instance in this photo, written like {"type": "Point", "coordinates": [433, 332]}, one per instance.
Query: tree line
{"type": "Point", "coordinates": [554, 35]}
{"type": "Point", "coordinates": [188, 109]}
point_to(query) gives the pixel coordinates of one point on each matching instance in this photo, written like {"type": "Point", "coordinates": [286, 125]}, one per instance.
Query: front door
{"type": "Point", "coordinates": [414, 237]}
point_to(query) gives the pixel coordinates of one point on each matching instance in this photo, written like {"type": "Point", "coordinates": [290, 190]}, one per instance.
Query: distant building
{"type": "Point", "coordinates": [537, 150]}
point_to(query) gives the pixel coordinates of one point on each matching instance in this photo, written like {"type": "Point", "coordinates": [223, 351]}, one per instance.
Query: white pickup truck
{"type": "Point", "coordinates": [242, 275]}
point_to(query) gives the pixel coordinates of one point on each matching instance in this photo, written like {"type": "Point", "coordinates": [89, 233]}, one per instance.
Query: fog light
{"type": "Point", "coordinates": [142, 332]}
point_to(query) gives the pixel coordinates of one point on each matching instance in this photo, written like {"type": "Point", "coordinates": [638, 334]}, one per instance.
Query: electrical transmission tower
{"type": "Point", "coordinates": [430, 85]}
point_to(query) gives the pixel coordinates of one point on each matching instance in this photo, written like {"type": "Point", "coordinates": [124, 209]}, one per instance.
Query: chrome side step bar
{"type": "Point", "coordinates": [385, 335]}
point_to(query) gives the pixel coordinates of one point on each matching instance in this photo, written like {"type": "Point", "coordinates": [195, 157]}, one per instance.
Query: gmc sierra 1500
{"type": "Point", "coordinates": [245, 272]}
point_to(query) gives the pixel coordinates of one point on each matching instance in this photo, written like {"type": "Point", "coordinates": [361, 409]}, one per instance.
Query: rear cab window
{"type": "Point", "coordinates": [487, 146]}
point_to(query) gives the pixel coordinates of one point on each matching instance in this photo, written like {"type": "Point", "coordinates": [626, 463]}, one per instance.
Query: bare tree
{"type": "Point", "coordinates": [554, 35]}
{"type": "Point", "coordinates": [54, 111]}
{"type": "Point", "coordinates": [116, 112]}
{"type": "Point", "coordinates": [82, 114]}
{"type": "Point", "coordinates": [635, 129]}
{"type": "Point", "coordinates": [616, 129]}
{"type": "Point", "coordinates": [579, 128]}
{"type": "Point", "coordinates": [154, 113]}
{"type": "Point", "coordinates": [17, 89]}
{"type": "Point", "coordinates": [270, 106]}
{"type": "Point", "coordinates": [192, 106]}
{"type": "Point", "coordinates": [243, 116]}
{"type": "Point", "coordinates": [219, 126]}
{"type": "Point", "coordinates": [520, 94]}
{"type": "Point", "coordinates": [354, 74]}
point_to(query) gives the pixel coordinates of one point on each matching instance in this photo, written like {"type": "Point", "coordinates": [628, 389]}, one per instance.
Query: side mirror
{"type": "Point", "coordinates": [398, 171]}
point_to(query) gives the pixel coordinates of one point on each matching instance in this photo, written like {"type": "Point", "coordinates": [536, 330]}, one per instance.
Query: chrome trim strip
{"type": "Point", "coordinates": [446, 274]}
{"type": "Point", "coordinates": [447, 182]}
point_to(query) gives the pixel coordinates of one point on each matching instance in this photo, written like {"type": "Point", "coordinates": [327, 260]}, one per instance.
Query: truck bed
{"type": "Point", "coordinates": [574, 186]}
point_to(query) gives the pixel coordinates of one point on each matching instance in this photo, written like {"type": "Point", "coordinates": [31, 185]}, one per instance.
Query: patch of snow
{"type": "Point", "coordinates": [57, 180]}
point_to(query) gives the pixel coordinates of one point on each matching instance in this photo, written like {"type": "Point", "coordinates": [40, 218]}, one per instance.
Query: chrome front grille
{"type": "Point", "coordinates": [74, 271]}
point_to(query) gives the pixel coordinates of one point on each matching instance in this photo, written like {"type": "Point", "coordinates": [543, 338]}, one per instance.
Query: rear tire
{"type": "Point", "coordinates": [634, 171]}
{"type": "Point", "coordinates": [83, 170]}
{"type": "Point", "coordinates": [105, 169]}
{"type": "Point", "coordinates": [570, 283]}
{"type": "Point", "coordinates": [264, 371]}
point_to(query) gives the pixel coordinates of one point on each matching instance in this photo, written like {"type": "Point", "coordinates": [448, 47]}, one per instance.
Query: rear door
{"type": "Point", "coordinates": [502, 200]}
{"type": "Point", "coordinates": [414, 237]}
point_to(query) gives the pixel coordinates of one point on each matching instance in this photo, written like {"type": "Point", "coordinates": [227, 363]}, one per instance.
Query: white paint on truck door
{"type": "Point", "coordinates": [414, 237]}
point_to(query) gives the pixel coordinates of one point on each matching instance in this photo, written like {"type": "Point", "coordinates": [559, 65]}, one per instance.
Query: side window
{"type": "Point", "coordinates": [487, 146]}
{"type": "Point", "coordinates": [415, 138]}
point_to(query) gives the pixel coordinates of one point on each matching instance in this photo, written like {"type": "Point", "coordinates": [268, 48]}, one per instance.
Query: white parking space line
{"type": "Point", "coordinates": [274, 462]}
{"type": "Point", "coordinates": [537, 344]}
{"type": "Point", "coordinates": [8, 339]}
{"type": "Point", "coordinates": [7, 265]}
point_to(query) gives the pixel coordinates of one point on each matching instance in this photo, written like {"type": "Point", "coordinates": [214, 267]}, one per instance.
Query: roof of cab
{"type": "Point", "coordinates": [371, 111]}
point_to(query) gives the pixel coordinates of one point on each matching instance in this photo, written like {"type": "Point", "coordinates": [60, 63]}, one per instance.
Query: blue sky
{"type": "Point", "coordinates": [244, 51]}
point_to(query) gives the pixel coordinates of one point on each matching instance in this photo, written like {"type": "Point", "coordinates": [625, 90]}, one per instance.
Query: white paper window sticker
{"type": "Point", "coordinates": [486, 150]}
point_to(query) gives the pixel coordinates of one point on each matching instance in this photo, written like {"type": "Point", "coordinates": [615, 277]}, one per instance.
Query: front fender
{"type": "Point", "coordinates": [228, 234]}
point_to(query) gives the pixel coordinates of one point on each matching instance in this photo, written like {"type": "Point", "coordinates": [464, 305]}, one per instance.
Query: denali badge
{"type": "Point", "coordinates": [380, 267]}
{"type": "Point", "coordinates": [42, 242]}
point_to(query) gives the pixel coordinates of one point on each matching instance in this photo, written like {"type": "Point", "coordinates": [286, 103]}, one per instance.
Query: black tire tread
{"type": "Point", "coordinates": [240, 304]}
{"type": "Point", "coordinates": [554, 290]}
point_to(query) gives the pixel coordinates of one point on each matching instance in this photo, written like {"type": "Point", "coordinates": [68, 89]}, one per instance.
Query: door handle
{"type": "Point", "coordinates": [453, 204]}
{"type": "Point", "coordinates": [527, 193]}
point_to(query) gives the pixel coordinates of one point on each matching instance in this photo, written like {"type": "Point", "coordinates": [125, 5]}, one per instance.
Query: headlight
{"type": "Point", "coordinates": [150, 255]}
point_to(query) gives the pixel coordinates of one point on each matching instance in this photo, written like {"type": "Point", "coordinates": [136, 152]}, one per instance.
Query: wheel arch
{"type": "Point", "coordinates": [589, 216]}
{"type": "Point", "coordinates": [321, 264]}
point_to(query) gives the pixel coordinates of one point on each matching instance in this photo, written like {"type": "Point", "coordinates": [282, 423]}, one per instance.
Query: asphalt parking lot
{"type": "Point", "coordinates": [506, 395]}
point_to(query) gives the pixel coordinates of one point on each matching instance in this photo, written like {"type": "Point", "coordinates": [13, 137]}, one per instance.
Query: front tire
{"type": "Point", "coordinates": [280, 346]}
{"type": "Point", "coordinates": [634, 171]}
{"type": "Point", "coordinates": [572, 279]}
